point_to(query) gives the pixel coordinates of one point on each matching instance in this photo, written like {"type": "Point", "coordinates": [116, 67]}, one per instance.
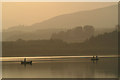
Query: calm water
{"type": "Point", "coordinates": [61, 67]}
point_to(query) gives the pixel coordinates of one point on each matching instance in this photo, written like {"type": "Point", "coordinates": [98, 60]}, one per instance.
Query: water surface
{"type": "Point", "coordinates": [60, 67]}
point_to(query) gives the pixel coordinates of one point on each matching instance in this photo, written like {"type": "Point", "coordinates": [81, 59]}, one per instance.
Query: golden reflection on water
{"type": "Point", "coordinates": [50, 57]}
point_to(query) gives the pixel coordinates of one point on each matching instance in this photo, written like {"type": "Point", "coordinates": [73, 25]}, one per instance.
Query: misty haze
{"type": "Point", "coordinates": [60, 40]}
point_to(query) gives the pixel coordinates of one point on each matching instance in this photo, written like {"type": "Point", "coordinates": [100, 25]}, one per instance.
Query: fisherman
{"type": "Point", "coordinates": [96, 57]}
{"type": "Point", "coordinates": [24, 59]}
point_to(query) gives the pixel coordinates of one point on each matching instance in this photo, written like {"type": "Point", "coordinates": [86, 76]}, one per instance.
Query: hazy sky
{"type": "Point", "coordinates": [27, 13]}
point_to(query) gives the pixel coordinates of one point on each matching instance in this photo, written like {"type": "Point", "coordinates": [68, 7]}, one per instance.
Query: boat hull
{"type": "Point", "coordinates": [94, 59]}
{"type": "Point", "coordinates": [29, 62]}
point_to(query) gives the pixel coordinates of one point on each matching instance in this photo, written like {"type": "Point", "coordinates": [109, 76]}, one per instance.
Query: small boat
{"type": "Point", "coordinates": [26, 62]}
{"type": "Point", "coordinates": [95, 58]}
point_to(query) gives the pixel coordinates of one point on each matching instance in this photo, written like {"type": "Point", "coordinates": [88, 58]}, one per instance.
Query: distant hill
{"type": "Point", "coordinates": [28, 35]}
{"type": "Point", "coordinates": [100, 18]}
{"type": "Point", "coordinates": [78, 34]}
{"type": "Point", "coordinates": [103, 19]}
{"type": "Point", "coordinates": [106, 44]}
